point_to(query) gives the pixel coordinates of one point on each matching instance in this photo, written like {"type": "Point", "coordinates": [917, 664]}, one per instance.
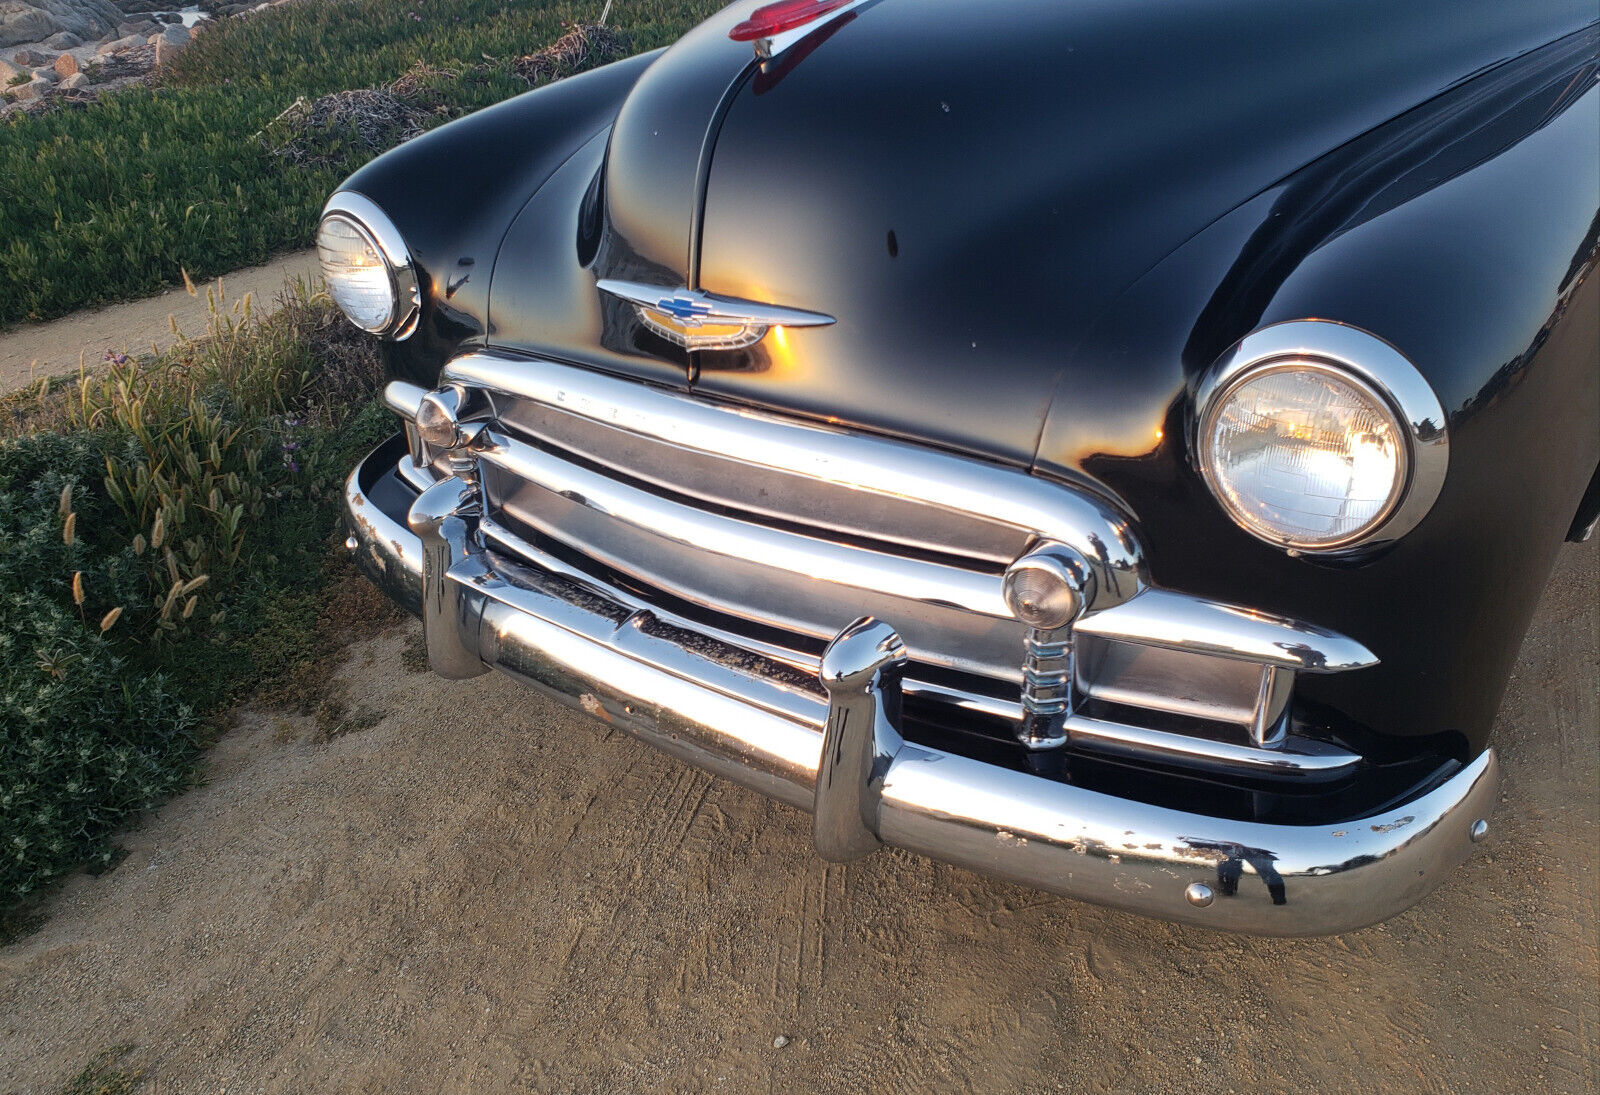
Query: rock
{"type": "Point", "coordinates": [141, 27]}
{"type": "Point", "coordinates": [30, 58]}
{"type": "Point", "coordinates": [120, 44]}
{"type": "Point", "coordinates": [46, 73]}
{"type": "Point", "coordinates": [8, 72]}
{"type": "Point", "coordinates": [75, 82]}
{"type": "Point", "coordinates": [24, 24]}
{"type": "Point", "coordinates": [167, 17]}
{"type": "Point", "coordinates": [66, 65]}
{"type": "Point", "coordinates": [36, 20]}
{"type": "Point", "coordinates": [33, 89]}
{"type": "Point", "coordinates": [64, 39]}
{"type": "Point", "coordinates": [169, 43]}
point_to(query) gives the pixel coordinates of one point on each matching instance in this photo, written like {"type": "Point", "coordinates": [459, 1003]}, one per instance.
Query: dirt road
{"type": "Point", "coordinates": [484, 892]}
{"type": "Point", "coordinates": [37, 350]}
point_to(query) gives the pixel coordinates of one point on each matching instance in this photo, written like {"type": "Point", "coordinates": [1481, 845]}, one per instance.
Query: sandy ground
{"type": "Point", "coordinates": [485, 892]}
{"type": "Point", "coordinates": [37, 350]}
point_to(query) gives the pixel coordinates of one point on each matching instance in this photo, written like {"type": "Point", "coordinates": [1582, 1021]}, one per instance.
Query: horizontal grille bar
{"type": "Point", "coordinates": [733, 539]}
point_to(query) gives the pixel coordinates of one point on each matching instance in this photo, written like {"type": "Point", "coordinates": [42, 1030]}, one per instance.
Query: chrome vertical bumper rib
{"type": "Point", "coordinates": [834, 747]}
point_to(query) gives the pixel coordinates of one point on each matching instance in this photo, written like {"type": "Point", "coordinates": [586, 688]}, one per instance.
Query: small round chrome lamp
{"type": "Point", "coordinates": [1048, 589]}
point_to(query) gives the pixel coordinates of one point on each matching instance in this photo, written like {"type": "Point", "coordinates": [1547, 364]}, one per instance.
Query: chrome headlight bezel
{"type": "Point", "coordinates": [1373, 368]}
{"type": "Point", "coordinates": [364, 215]}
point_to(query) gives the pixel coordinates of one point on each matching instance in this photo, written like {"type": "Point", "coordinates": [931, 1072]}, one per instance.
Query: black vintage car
{"type": "Point", "coordinates": [1116, 445]}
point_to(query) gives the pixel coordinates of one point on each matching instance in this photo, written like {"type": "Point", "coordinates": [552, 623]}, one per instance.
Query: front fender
{"type": "Point", "coordinates": [453, 191]}
{"type": "Point", "coordinates": [1464, 233]}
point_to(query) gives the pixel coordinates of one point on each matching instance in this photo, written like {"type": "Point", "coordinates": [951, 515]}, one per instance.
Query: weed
{"type": "Point", "coordinates": [105, 1074]}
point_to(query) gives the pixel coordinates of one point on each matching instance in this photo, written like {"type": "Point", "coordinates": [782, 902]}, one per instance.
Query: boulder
{"type": "Point", "coordinates": [66, 65]}
{"type": "Point", "coordinates": [20, 23]}
{"type": "Point", "coordinates": [167, 17]}
{"type": "Point", "coordinates": [33, 89]}
{"type": "Point", "coordinates": [46, 73]}
{"type": "Point", "coordinates": [121, 44]}
{"type": "Point", "coordinates": [24, 21]}
{"type": "Point", "coordinates": [141, 27]}
{"type": "Point", "coordinates": [63, 39]}
{"type": "Point", "coordinates": [30, 58]}
{"type": "Point", "coordinates": [77, 81]}
{"type": "Point", "coordinates": [169, 43]}
{"type": "Point", "coordinates": [8, 73]}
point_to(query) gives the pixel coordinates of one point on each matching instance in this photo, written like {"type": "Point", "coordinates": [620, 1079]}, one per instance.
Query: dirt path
{"type": "Point", "coordinates": [484, 892]}
{"type": "Point", "coordinates": [51, 349]}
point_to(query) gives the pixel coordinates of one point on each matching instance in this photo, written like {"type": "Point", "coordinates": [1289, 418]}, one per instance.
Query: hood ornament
{"type": "Point", "coordinates": [777, 26]}
{"type": "Point", "coordinates": [697, 320]}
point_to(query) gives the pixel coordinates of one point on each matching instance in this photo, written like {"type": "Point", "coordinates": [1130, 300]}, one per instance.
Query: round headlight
{"type": "Point", "coordinates": [366, 266]}
{"type": "Point", "coordinates": [1302, 438]}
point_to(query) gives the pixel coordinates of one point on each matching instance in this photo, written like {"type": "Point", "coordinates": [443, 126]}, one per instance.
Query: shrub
{"type": "Point", "coordinates": [223, 460]}
{"type": "Point", "coordinates": [83, 742]}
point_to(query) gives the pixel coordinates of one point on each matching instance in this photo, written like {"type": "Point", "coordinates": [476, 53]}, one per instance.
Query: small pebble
{"type": "Point", "coordinates": [780, 1041]}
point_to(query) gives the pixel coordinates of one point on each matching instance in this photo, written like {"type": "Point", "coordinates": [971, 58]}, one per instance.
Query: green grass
{"type": "Point", "coordinates": [113, 201]}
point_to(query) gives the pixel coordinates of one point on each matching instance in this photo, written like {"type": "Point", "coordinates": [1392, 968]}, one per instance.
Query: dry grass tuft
{"type": "Point", "coordinates": [585, 46]}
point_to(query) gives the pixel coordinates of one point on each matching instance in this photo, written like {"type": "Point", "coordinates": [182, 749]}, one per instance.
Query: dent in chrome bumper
{"type": "Point", "coordinates": [843, 758]}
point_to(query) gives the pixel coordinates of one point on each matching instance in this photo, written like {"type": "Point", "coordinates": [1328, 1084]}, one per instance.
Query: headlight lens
{"type": "Point", "coordinates": [359, 278]}
{"type": "Point", "coordinates": [1304, 454]}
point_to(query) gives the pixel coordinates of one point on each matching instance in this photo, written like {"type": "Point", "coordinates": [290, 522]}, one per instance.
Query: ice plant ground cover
{"type": "Point", "coordinates": [111, 200]}
{"type": "Point", "coordinates": [167, 545]}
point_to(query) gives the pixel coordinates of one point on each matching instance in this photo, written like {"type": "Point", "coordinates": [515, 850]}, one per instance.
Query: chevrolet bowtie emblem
{"type": "Point", "coordinates": [699, 320]}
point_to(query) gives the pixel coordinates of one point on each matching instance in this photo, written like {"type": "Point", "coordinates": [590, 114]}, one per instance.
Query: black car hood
{"type": "Point", "coordinates": [965, 186]}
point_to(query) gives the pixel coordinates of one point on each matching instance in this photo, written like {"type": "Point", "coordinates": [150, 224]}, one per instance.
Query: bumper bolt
{"type": "Point", "coordinates": [1198, 894]}
{"type": "Point", "coordinates": [1479, 830]}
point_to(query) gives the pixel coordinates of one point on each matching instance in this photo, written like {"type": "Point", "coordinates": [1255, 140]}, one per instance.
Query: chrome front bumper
{"type": "Point", "coordinates": [841, 756]}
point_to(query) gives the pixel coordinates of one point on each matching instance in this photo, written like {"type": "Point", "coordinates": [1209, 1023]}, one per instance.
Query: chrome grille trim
{"type": "Point", "coordinates": [849, 461]}
{"type": "Point", "coordinates": [1197, 625]}
{"type": "Point", "coordinates": [585, 460]}
{"type": "Point", "coordinates": [811, 557]}
{"type": "Point", "coordinates": [515, 554]}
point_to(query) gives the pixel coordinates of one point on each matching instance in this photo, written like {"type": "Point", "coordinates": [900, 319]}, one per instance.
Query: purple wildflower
{"type": "Point", "coordinates": [294, 469]}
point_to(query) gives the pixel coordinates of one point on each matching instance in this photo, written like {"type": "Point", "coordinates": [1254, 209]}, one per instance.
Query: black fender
{"type": "Point", "coordinates": [1463, 233]}
{"type": "Point", "coordinates": [453, 191]}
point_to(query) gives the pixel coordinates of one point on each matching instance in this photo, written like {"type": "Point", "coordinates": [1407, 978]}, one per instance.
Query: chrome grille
{"type": "Point", "coordinates": [769, 522]}
{"type": "Point", "coordinates": [770, 534]}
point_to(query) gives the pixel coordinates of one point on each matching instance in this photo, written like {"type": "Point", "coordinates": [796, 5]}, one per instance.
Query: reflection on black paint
{"type": "Point", "coordinates": [1414, 154]}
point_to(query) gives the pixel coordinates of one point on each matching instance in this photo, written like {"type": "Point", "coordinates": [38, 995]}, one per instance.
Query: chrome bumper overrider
{"type": "Point", "coordinates": [838, 752]}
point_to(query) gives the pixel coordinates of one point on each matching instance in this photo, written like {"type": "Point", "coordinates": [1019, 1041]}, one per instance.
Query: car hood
{"type": "Point", "coordinates": [965, 188]}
